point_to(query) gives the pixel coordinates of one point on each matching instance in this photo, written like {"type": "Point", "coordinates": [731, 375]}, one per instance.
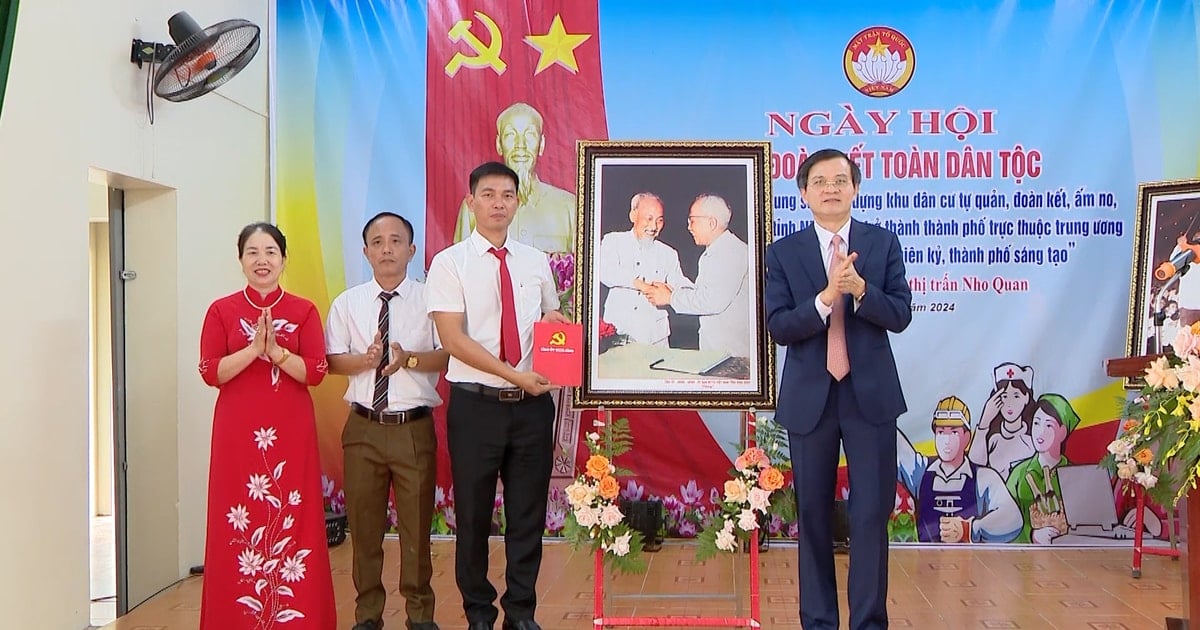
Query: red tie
{"type": "Point", "coordinates": [838, 360]}
{"type": "Point", "coordinates": [510, 339]}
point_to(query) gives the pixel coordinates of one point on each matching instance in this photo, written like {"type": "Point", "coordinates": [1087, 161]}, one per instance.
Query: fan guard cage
{"type": "Point", "coordinates": [206, 60]}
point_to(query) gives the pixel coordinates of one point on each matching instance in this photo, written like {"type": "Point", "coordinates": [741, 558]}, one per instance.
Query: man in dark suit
{"type": "Point", "coordinates": [833, 292]}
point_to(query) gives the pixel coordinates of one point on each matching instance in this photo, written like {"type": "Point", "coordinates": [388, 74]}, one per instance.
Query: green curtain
{"type": "Point", "coordinates": [8, 26]}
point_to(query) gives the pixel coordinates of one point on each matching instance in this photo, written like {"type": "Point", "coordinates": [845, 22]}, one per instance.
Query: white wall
{"type": "Point", "coordinates": [74, 101]}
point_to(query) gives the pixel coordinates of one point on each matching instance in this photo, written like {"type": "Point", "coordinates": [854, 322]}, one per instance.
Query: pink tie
{"type": "Point", "coordinates": [838, 360]}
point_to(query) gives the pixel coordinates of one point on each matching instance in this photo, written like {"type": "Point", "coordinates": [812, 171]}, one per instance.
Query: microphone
{"type": "Point", "coordinates": [1177, 263]}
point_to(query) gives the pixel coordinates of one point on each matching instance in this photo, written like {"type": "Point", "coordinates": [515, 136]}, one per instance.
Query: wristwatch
{"type": "Point", "coordinates": [412, 361]}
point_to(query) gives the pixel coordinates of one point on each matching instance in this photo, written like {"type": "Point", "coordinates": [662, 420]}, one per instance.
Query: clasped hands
{"type": "Point", "coordinates": [264, 343]}
{"type": "Point", "coordinates": [657, 293]}
{"type": "Point", "coordinates": [398, 356]}
{"type": "Point", "coordinates": [844, 280]}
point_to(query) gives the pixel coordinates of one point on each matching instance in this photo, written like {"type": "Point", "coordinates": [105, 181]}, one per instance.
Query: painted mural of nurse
{"type": "Point", "coordinates": [1002, 436]}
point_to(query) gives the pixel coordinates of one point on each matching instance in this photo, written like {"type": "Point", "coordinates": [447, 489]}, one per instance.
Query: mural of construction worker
{"type": "Point", "coordinates": [1002, 437]}
{"type": "Point", "coordinates": [1034, 481]}
{"type": "Point", "coordinates": [957, 500]}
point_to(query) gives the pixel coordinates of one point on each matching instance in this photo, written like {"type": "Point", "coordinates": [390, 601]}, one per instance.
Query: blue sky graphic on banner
{"type": "Point", "coordinates": [1004, 146]}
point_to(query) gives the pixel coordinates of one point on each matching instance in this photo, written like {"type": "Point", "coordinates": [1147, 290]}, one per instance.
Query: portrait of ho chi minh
{"type": "Point", "coordinates": [545, 214]}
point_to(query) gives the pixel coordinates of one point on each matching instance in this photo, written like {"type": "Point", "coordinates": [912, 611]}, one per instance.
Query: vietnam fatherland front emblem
{"type": "Point", "coordinates": [879, 61]}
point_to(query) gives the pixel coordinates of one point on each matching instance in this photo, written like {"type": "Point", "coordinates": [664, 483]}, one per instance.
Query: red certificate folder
{"type": "Point", "coordinates": [558, 352]}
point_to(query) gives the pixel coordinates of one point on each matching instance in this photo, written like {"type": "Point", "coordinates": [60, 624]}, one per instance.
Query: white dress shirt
{"type": "Point", "coordinates": [352, 324]}
{"type": "Point", "coordinates": [624, 258]}
{"type": "Point", "coordinates": [720, 297]}
{"type": "Point", "coordinates": [824, 238]}
{"type": "Point", "coordinates": [465, 278]}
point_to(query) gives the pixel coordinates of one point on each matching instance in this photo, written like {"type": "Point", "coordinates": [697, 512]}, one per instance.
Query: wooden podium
{"type": "Point", "coordinates": [1134, 367]}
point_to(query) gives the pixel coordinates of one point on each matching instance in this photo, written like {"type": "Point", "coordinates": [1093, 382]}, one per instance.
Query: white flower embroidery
{"type": "Point", "coordinates": [239, 517]}
{"type": "Point", "coordinates": [264, 557]}
{"type": "Point", "coordinates": [251, 561]}
{"type": "Point", "coordinates": [293, 569]}
{"type": "Point", "coordinates": [259, 486]}
{"type": "Point", "coordinates": [265, 438]}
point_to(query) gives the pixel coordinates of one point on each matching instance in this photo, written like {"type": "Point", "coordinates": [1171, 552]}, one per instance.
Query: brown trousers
{"type": "Point", "coordinates": [402, 458]}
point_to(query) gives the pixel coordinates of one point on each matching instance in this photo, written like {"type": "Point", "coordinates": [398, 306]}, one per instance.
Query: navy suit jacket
{"type": "Point", "coordinates": [795, 275]}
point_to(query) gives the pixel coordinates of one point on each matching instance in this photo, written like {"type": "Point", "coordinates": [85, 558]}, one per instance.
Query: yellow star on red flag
{"type": "Point", "coordinates": [557, 46]}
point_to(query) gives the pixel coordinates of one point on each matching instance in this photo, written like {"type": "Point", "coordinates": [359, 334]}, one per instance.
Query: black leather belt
{"type": "Point", "coordinates": [391, 417]}
{"type": "Point", "coordinates": [502, 394]}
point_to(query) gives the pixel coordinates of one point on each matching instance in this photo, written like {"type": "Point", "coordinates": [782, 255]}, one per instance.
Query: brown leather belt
{"type": "Point", "coordinates": [502, 394]}
{"type": "Point", "coordinates": [391, 417]}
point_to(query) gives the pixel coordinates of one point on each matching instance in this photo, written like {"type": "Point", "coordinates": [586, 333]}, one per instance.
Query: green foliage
{"type": "Point", "coordinates": [1159, 444]}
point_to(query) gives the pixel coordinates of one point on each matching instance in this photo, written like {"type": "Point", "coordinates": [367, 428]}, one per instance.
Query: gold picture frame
{"type": "Point", "coordinates": [705, 362]}
{"type": "Point", "coordinates": [1167, 212]}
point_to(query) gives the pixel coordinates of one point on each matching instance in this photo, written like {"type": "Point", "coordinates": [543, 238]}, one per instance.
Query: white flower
{"type": "Point", "coordinates": [726, 540]}
{"type": "Point", "coordinates": [1120, 447]}
{"type": "Point", "coordinates": [760, 499]}
{"type": "Point", "coordinates": [239, 517]}
{"type": "Point", "coordinates": [610, 515]}
{"type": "Point", "coordinates": [1126, 469]}
{"type": "Point", "coordinates": [259, 486]}
{"type": "Point", "coordinates": [736, 491]}
{"type": "Point", "coordinates": [747, 521]}
{"type": "Point", "coordinates": [250, 560]}
{"type": "Point", "coordinates": [265, 438]}
{"type": "Point", "coordinates": [579, 494]}
{"type": "Point", "coordinates": [294, 497]}
{"type": "Point", "coordinates": [593, 437]}
{"type": "Point", "coordinates": [620, 546]}
{"type": "Point", "coordinates": [288, 521]}
{"type": "Point", "coordinates": [587, 516]}
{"type": "Point", "coordinates": [1146, 479]}
{"type": "Point", "coordinates": [1160, 375]}
{"type": "Point", "coordinates": [293, 569]}
{"type": "Point", "coordinates": [1189, 374]}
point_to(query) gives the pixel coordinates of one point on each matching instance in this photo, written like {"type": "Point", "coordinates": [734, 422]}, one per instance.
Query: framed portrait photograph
{"type": "Point", "coordinates": [1164, 293]}
{"type": "Point", "coordinates": [672, 237]}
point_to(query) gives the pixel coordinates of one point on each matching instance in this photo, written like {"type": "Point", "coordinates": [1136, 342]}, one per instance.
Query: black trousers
{"type": "Point", "coordinates": [514, 442]}
{"type": "Point", "coordinates": [870, 458]}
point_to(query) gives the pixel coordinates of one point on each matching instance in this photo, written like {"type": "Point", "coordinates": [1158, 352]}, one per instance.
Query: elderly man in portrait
{"type": "Point", "coordinates": [629, 262]}
{"type": "Point", "coordinates": [720, 295]}
{"type": "Point", "coordinates": [545, 214]}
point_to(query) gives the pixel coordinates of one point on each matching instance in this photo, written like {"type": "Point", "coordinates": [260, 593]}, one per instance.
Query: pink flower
{"type": "Point", "coordinates": [1185, 342]}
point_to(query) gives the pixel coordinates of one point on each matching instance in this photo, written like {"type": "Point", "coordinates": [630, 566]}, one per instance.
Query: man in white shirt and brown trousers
{"type": "Point", "coordinates": [484, 293]}
{"type": "Point", "coordinates": [378, 334]}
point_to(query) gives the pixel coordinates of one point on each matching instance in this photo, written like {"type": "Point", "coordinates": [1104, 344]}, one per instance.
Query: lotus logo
{"type": "Point", "coordinates": [559, 338]}
{"type": "Point", "coordinates": [879, 61]}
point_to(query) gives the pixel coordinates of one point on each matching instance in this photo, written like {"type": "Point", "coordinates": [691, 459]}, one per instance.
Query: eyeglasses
{"type": "Point", "coordinates": [837, 182]}
{"type": "Point", "coordinates": [697, 217]}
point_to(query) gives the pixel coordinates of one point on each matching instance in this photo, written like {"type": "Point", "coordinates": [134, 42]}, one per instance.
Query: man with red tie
{"type": "Point", "coordinates": [484, 294]}
{"type": "Point", "coordinates": [833, 292]}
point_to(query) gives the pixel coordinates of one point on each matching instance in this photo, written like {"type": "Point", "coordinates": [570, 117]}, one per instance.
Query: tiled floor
{"type": "Point", "coordinates": [957, 588]}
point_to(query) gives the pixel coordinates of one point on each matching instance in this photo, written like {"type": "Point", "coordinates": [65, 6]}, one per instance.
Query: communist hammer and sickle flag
{"type": "Point", "coordinates": [484, 56]}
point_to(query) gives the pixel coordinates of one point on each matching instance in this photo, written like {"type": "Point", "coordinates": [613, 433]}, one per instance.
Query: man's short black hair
{"type": "Point", "coordinates": [383, 214]}
{"type": "Point", "coordinates": [493, 168]}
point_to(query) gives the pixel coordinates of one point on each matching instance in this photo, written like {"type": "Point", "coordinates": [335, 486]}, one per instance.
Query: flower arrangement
{"type": "Point", "coordinates": [609, 337]}
{"type": "Point", "coordinates": [755, 490]}
{"type": "Point", "coordinates": [1159, 444]}
{"type": "Point", "coordinates": [595, 517]}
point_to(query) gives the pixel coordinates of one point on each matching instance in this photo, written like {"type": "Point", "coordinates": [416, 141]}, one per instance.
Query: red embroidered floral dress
{"type": "Point", "coordinates": [266, 563]}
